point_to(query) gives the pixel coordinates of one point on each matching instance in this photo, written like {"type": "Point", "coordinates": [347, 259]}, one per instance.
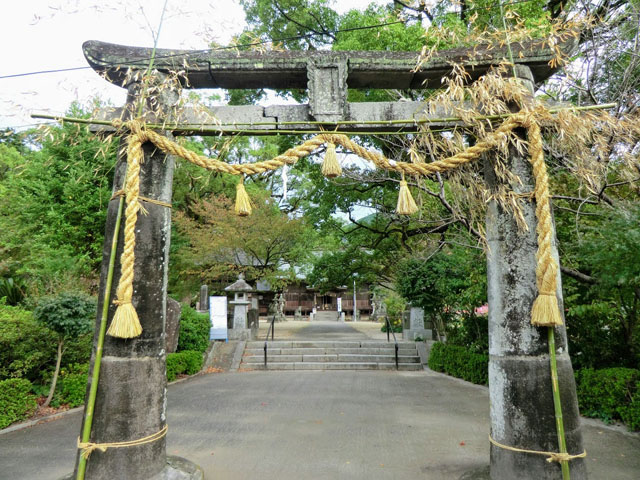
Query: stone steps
{"type": "Point", "coordinates": [332, 366]}
{"type": "Point", "coordinates": [330, 355]}
{"type": "Point", "coordinates": [329, 351]}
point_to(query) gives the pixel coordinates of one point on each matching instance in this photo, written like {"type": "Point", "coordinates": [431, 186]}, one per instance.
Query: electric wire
{"type": "Point", "coordinates": [252, 44]}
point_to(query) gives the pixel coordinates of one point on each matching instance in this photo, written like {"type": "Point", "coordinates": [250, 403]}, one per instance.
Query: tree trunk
{"type": "Point", "coordinates": [55, 375]}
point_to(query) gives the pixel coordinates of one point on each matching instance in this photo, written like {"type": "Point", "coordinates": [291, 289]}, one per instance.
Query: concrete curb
{"type": "Point", "coordinates": [237, 356]}
{"type": "Point", "coordinates": [37, 421]}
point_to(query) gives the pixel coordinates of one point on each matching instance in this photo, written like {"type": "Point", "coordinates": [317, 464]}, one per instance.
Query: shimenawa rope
{"type": "Point", "coordinates": [545, 310]}
{"type": "Point", "coordinates": [121, 193]}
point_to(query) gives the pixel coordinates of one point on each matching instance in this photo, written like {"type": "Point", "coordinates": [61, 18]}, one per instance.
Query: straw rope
{"type": "Point", "coordinates": [551, 456]}
{"type": "Point", "coordinates": [125, 323]}
{"type": "Point", "coordinates": [121, 193]}
{"type": "Point", "coordinates": [88, 447]}
{"type": "Point", "coordinates": [545, 310]}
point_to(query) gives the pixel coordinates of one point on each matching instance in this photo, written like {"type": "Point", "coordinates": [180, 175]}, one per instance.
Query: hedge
{"type": "Point", "coordinates": [609, 394]}
{"type": "Point", "coordinates": [459, 362]}
{"type": "Point", "coordinates": [194, 330]}
{"type": "Point", "coordinates": [188, 362]}
{"type": "Point", "coordinates": [16, 401]}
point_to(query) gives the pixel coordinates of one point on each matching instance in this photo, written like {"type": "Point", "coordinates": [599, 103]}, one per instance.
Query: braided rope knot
{"type": "Point", "coordinates": [551, 456]}
{"type": "Point", "coordinates": [89, 447]}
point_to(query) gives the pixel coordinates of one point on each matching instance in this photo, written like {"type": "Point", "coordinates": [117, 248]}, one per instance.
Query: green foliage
{"type": "Point", "coordinates": [448, 284]}
{"type": "Point", "coordinates": [194, 330]}
{"type": "Point", "coordinates": [291, 18]}
{"type": "Point", "coordinates": [608, 393]}
{"type": "Point", "coordinates": [603, 319]}
{"type": "Point", "coordinates": [188, 362]}
{"type": "Point", "coordinates": [16, 401]}
{"type": "Point", "coordinates": [396, 305]}
{"type": "Point", "coordinates": [459, 362]}
{"type": "Point", "coordinates": [26, 346]}
{"type": "Point", "coordinates": [594, 334]}
{"type": "Point", "coordinates": [12, 290]}
{"type": "Point", "coordinates": [631, 415]}
{"type": "Point", "coordinates": [72, 386]}
{"type": "Point", "coordinates": [70, 315]}
{"type": "Point", "coordinates": [470, 331]}
{"type": "Point", "coordinates": [53, 198]}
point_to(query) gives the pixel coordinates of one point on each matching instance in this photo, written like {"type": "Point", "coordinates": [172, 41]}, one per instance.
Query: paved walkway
{"type": "Point", "coordinates": [325, 330]}
{"type": "Point", "coordinates": [319, 425]}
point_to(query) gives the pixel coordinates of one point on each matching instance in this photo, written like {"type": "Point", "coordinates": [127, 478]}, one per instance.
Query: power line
{"type": "Point", "coordinates": [208, 50]}
{"type": "Point", "coordinates": [253, 44]}
{"type": "Point", "coordinates": [40, 72]}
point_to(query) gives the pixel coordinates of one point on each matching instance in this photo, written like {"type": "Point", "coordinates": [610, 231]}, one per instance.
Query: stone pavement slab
{"type": "Point", "coordinates": [318, 425]}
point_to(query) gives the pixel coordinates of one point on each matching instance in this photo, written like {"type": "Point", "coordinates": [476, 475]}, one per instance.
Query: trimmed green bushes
{"type": "Point", "coordinates": [459, 362]}
{"type": "Point", "coordinates": [610, 394]}
{"type": "Point", "coordinates": [194, 330]}
{"type": "Point", "coordinates": [188, 362]}
{"type": "Point", "coordinates": [16, 401]}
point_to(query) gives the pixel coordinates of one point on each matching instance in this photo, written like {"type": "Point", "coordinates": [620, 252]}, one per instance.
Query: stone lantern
{"type": "Point", "coordinates": [240, 303]}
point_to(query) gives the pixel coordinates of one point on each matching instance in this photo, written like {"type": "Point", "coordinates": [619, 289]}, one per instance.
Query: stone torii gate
{"type": "Point", "coordinates": [131, 392]}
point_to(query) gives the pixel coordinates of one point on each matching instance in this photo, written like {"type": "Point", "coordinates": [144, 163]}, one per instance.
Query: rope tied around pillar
{"type": "Point", "coordinates": [87, 448]}
{"type": "Point", "coordinates": [551, 456]}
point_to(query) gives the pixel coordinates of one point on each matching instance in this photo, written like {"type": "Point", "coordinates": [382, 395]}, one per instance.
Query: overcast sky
{"type": "Point", "coordinates": [42, 35]}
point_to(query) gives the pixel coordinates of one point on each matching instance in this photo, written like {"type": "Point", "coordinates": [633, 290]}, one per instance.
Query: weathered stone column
{"type": "Point", "coordinates": [520, 393]}
{"type": "Point", "coordinates": [131, 395]}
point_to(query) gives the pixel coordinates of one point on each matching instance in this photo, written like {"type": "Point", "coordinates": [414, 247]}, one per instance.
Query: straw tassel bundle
{"type": "Point", "coordinates": [243, 202]}
{"type": "Point", "coordinates": [330, 166]}
{"type": "Point", "coordinates": [406, 203]}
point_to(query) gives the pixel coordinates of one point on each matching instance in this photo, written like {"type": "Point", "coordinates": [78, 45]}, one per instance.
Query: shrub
{"type": "Point", "coordinates": [16, 401]}
{"type": "Point", "coordinates": [194, 330]}
{"type": "Point", "coordinates": [69, 315]}
{"type": "Point", "coordinates": [26, 347]}
{"type": "Point", "coordinates": [193, 362]}
{"type": "Point", "coordinates": [72, 386]}
{"type": "Point", "coordinates": [12, 290]}
{"type": "Point", "coordinates": [459, 362]}
{"type": "Point", "coordinates": [608, 393]}
{"type": "Point", "coordinates": [188, 362]}
{"type": "Point", "coordinates": [396, 325]}
{"type": "Point", "coordinates": [631, 414]}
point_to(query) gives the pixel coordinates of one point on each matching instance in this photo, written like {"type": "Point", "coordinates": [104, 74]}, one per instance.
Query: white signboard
{"type": "Point", "coordinates": [218, 317]}
{"type": "Point", "coordinates": [339, 304]}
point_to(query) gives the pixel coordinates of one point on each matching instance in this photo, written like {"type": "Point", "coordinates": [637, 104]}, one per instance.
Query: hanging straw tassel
{"type": "Point", "coordinates": [125, 323]}
{"type": "Point", "coordinates": [330, 166]}
{"type": "Point", "coordinates": [545, 311]}
{"type": "Point", "coordinates": [243, 202]}
{"type": "Point", "coordinates": [406, 203]}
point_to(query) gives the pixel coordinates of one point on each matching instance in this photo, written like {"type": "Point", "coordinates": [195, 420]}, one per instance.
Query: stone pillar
{"type": "Point", "coordinates": [416, 325]}
{"type": "Point", "coordinates": [240, 330]}
{"type": "Point", "coordinates": [172, 324]}
{"type": "Point", "coordinates": [131, 395]}
{"type": "Point", "coordinates": [520, 393]}
{"type": "Point", "coordinates": [203, 303]}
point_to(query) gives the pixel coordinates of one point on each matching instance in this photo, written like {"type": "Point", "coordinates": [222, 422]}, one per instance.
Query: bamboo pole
{"type": "Point", "coordinates": [557, 405]}
{"type": "Point", "coordinates": [95, 374]}
{"type": "Point", "coordinates": [220, 127]}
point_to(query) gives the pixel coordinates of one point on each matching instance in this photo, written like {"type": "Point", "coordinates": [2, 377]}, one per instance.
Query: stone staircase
{"type": "Point", "coordinates": [330, 355]}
